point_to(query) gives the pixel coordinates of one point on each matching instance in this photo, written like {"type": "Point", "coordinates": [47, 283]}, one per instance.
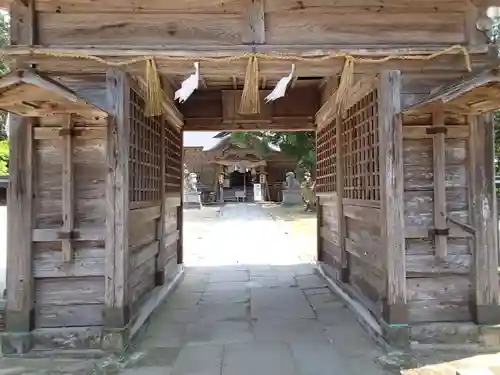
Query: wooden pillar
{"type": "Point", "coordinates": [391, 196]}
{"type": "Point", "coordinates": [68, 210]}
{"type": "Point", "coordinates": [344, 273]}
{"type": "Point", "coordinates": [116, 312]}
{"type": "Point", "coordinates": [319, 225]}
{"type": "Point", "coordinates": [160, 232]}
{"type": "Point", "coordinates": [180, 241]}
{"type": "Point", "coordinates": [439, 165]}
{"type": "Point", "coordinates": [485, 296]}
{"type": "Point", "coordinates": [20, 284]}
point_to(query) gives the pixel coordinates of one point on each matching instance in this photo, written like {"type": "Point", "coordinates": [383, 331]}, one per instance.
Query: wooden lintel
{"type": "Point", "coordinates": [78, 234]}
{"type": "Point", "coordinates": [454, 61]}
{"type": "Point", "coordinates": [68, 210]}
{"type": "Point", "coordinates": [82, 132]}
{"type": "Point", "coordinates": [276, 124]}
{"type": "Point", "coordinates": [439, 166]}
{"type": "Point", "coordinates": [428, 131]}
{"type": "Point", "coordinates": [254, 31]}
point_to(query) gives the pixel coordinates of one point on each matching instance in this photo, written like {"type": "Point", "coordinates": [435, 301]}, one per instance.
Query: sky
{"type": "Point", "coordinates": [200, 139]}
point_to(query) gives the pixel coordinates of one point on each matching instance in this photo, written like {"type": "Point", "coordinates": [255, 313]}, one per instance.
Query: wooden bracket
{"type": "Point", "coordinates": [439, 232]}
{"type": "Point", "coordinates": [436, 130]}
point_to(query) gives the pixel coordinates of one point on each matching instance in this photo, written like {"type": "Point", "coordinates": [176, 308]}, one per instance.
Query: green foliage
{"type": "Point", "coordinates": [298, 145]}
{"type": "Point", "coordinates": [4, 157]}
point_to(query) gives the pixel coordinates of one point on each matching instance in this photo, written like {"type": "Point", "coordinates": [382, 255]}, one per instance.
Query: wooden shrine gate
{"type": "Point", "coordinates": [94, 211]}
{"type": "Point", "coordinates": [407, 221]}
{"type": "Point", "coordinates": [407, 215]}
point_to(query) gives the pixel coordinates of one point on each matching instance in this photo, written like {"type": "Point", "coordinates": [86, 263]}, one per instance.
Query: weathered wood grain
{"type": "Point", "coordinates": [117, 200]}
{"type": "Point", "coordinates": [392, 195]}
{"type": "Point", "coordinates": [143, 254]}
{"type": "Point", "coordinates": [420, 132]}
{"type": "Point", "coordinates": [309, 27]}
{"type": "Point", "coordinates": [419, 266]}
{"type": "Point", "coordinates": [442, 299]}
{"type": "Point", "coordinates": [68, 183]}
{"type": "Point", "coordinates": [141, 29]}
{"type": "Point", "coordinates": [368, 214]}
{"type": "Point", "coordinates": [371, 253]}
{"type": "Point", "coordinates": [143, 215]}
{"type": "Point", "coordinates": [86, 262]}
{"type": "Point", "coordinates": [52, 316]}
{"type": "Point", "coordinates": [253, 25]}
{"type": "Point", "coordinates": [485, 219]}
{"type": "Point", "coordinates": [370, 284]}
{"type": "Point", "coordinates": [19, 210]}
{"type": "Point", "coordinates": [74, 291]}
{"type": "Point", "coordinates": [142, 233]}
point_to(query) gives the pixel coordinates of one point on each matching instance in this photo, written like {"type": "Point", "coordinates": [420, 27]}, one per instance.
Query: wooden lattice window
{"type": "Point", "coordinates": [144, 153]}
{"type": "Point", "coordinates": [326, 149]}
{"type": "Point", "coordinates": [360, 150]}
{"type": "Point", "coordinates": [173, 159]}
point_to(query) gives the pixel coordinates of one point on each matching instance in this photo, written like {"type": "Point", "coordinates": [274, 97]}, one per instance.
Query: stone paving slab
{"type": "Point", "coordinates": [247, 309]}
{"type": "Point", "coordinates": [244, 309]}
{"type": "Point", "coordinates": [258, 358]}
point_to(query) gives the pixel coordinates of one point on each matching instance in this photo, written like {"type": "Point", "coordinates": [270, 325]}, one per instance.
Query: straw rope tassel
{"type": "Point", "coordinates": [250, 98]}
{"type": "Point", "coordinates": [154, 92]}
{"type": "Point", "coordinates": [345, 83]}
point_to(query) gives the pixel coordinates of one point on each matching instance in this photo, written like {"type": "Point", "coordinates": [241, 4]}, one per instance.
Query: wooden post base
{"type": "Point", "coordinates": [115, 317]}
{"type": "Point", "coordinates": [485, 314]}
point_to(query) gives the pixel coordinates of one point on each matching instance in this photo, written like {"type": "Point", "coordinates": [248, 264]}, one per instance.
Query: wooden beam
{"type": "Point", "coordinates": [276, 124]}
{"type": "Point", "coordinates": [485, 304]}
{"type": "Point", "coordinates": [254, 31]}
{"type": "Point", "coordinates": [20, 283]}
{"type": "Point", "coordinates": [454, 62]}
{"type": "Point", "coordinates": [68, 208]}
{"type": "Point", "coordinates": [392, 197]}
{"type": "Point", "coordinates": [116, 313]}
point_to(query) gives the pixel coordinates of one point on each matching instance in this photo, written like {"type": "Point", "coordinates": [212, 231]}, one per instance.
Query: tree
{"type": "Point", "coordinates": [298, 145]}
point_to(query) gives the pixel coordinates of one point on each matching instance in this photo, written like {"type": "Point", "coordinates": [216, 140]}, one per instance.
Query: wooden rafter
{"type": "Point", "coordinates": [28, 93]}
{"type": "Point", "coordinates": [475, 94]}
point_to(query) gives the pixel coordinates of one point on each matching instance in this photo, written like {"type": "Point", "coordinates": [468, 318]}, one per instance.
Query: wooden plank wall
{"type": "Point", "coordinates": [348, 174]}
{"type": "Point", "coordinates": [159, 23]}
{"type": "Point", "coordinates": [437, 289]}
{"type": "Point", "coordinates": [69, 294]}
{"type": "Point", "coordinates": [155, 183]}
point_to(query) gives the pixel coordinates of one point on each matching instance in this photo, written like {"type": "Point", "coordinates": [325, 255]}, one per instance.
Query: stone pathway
{"type": "Point", "coordinates": [249, 305]}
